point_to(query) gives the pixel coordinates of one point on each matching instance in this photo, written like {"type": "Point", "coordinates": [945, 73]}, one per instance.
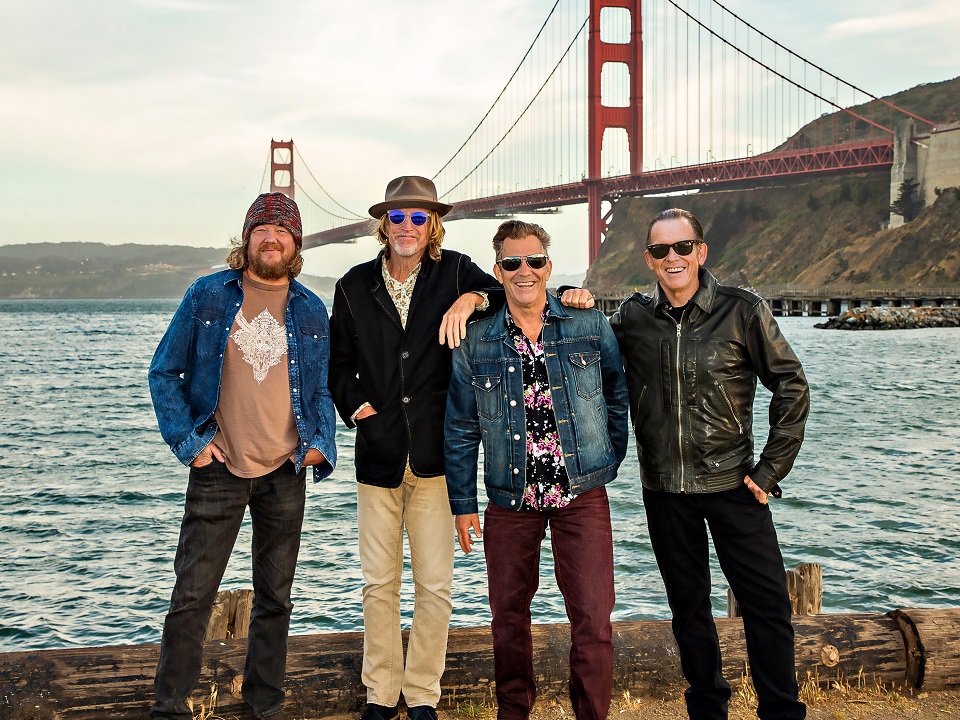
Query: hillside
{"type": "Point", "coordinates": [810, 232]}
{"type": "Point", "coordinates": [96, 270]}
{"type": "Point", "coordinates": [938, 102]}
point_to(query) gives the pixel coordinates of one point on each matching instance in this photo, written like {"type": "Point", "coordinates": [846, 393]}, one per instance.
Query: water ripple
{"type": "Point", "coordinates": [93, 498]}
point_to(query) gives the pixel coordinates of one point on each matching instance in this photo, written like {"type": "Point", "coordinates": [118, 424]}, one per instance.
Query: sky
{"type": "Point", "coordinates": [149, 121]}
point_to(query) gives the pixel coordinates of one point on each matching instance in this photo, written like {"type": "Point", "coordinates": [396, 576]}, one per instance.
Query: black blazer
{"type": "Point", "coordinates": [402, 373]}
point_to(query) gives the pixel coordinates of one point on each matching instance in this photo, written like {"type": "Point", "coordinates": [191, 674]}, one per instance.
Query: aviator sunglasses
{"type": "Point", "coordinates": [418, 218]}
{"type": "Point", "coordinates": [680, 247]}
{"type": "Point", "coordinates": [510, 263]}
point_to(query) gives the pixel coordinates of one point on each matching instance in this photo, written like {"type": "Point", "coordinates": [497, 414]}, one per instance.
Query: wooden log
{"type": "Point", "coordinates": [931, 641]}
{"type": "Point", "coordinates": [804, 585]}
{"type": "Point", "coordinates": [323, 671]}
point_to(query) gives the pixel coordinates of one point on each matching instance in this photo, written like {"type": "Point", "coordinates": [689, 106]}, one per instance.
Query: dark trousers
{"type": "Point", "coordinates": [583, 563]}
{"type": "Point", "coordinates": [215, 506]}
{"type": "Point", "coordinates": [749, 555]}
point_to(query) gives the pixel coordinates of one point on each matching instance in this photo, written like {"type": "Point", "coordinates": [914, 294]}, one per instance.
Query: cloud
{"type": "Point", "coordinates": [936, 15]}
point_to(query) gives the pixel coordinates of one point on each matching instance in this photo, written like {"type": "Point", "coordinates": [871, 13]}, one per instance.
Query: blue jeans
{"type": "Point", "coordinates": [215, 505]}
{"type": "Point", "coordinates": [746, 544]}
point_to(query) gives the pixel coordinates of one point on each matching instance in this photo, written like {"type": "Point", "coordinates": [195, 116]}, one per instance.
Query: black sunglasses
{"type": "Point", "coordinates": [681, 247]}
{"type": "Point", "coordinates": [417, 218]}
{"type": "Point", "coordinates": [513, 262]}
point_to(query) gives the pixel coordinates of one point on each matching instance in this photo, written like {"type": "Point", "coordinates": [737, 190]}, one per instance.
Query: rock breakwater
{"type": "Point", "coordinates": [893, 318]}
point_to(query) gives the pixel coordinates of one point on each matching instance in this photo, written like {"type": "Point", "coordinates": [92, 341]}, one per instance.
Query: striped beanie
{"type": "Point", "coordinates": [274, 209]}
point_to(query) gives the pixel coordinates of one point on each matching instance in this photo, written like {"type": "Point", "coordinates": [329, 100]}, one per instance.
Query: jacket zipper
{"type": "Point", "coordinates": [726, 397]}
{"type": "Point", "coordinates": [679, 405]}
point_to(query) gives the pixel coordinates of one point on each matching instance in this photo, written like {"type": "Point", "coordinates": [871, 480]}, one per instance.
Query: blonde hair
{"type": "Point", "coordinates": [434, 239]}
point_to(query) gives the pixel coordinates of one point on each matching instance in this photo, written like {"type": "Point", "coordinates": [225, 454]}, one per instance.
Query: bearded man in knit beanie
{"type": "Point", "coordinates": [239, 385]}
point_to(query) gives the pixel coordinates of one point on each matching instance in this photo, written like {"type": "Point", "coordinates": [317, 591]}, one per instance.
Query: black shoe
{"type": "Point", "coordinates": [380, 712]}
{"type": "Point", "coordinates": [422, 712]}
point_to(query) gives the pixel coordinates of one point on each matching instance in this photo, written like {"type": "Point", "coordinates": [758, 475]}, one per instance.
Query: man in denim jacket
{"type": "Point", "coordinates": [542, 387]}
{"type": "Point", "coordinates": [239, 385]}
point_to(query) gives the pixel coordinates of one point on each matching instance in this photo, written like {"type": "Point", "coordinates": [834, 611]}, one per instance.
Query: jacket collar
{"type": "Point", "coordinates": [235, 277]}
{"type": "Point", "coordinates": [703, 298]}
{"type": "Point", "coordinates": [497, 330]}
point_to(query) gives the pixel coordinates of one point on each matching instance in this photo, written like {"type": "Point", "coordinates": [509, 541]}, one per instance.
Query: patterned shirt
{"type": "Point", "coordinates": [401, 292]}
{"type": "Point", "coordinates": [547, 483]}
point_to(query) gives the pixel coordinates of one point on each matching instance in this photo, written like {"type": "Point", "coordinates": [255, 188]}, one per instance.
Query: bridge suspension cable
{"type": "Point", "coordinates": [824, 71]}
{"type": "Point", "coordinates": [507, 85]}
{"type": "Point", "coordinates": [353, 215]}
{"type": "Point", "coordinates": [522, 113]}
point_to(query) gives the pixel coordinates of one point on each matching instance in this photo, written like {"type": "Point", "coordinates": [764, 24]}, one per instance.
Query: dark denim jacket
{"type": "Point", "coordinates": [485, 403]}
{"type": "Point", "coordinates": [186, 368]}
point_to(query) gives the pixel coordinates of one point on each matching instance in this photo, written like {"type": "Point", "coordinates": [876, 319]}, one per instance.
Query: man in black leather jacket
{"type": "Point", "coordinates": [693, 353]}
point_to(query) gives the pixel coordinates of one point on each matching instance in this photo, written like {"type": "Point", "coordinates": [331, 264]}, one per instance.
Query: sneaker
{"type": "Point", "coordinates": [380, 712]}
{"type": "Point", "coordinates": [422, 712]}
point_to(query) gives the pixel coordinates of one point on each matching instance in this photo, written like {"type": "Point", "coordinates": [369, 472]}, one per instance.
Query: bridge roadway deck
{"type": "Point", "coordinates": [862, 156]}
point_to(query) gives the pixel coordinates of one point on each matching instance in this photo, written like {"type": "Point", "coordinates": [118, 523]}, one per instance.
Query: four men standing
{"type": "Point", "coordinates": [243, 399]}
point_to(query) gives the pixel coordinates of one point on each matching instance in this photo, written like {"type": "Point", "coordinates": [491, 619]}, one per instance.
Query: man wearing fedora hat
{"type": "Point", "coordinates": [393, 320]}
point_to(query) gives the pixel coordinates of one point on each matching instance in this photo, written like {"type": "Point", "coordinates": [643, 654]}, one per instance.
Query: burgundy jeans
{"type": "Point", "coordinates": [583, 564]}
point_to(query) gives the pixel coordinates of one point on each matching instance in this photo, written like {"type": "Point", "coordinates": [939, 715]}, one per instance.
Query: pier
{"type": "Point", "coordinates": [828, 301]}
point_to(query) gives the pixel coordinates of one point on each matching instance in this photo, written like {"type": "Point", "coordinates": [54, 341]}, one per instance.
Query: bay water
{"type": "Point", "coordinates": [92, 497]}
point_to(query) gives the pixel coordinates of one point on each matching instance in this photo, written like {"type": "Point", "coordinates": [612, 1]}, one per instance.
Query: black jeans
{"type": "Point", "coordinates": [215, 506]}
{"type": "Point", "coordinates": [749, 555]}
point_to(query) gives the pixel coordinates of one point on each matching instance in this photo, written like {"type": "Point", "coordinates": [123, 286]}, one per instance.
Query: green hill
{"type": "Point", "coordinates": [96, 270]}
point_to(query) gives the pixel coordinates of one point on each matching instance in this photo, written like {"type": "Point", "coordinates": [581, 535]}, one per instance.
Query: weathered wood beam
{"type": "Point", "coordinates": [916, 648]}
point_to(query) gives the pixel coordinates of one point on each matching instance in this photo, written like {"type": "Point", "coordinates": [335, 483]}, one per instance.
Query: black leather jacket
{"type": "Point", "coordinates": [692, 387]}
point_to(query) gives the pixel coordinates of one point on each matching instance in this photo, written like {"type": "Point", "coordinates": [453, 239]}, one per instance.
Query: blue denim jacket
{"type": "Point", "coordinates": [485, 403]}
{"type": "Point", "coordinates": [186, 368]}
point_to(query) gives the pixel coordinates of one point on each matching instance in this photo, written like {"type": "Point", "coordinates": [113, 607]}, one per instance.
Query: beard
{"type": "Point", "coordinates": [272, 271]}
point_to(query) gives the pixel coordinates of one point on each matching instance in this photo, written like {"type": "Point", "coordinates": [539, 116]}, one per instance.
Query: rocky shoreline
{"type": "Point", "coordinates": [893, 318]}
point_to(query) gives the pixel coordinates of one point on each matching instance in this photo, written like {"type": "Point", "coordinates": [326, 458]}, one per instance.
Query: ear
{"type": "Point", "coordinates": [648, 258]}
{"type": "Point", "coordinates": [702, 253]}
{"type": "Point", "coordinates": [497, 273]}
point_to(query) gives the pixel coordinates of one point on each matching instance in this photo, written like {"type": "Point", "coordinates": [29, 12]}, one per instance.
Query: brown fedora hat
{"type": "Point", "coordinates": [410, 191]}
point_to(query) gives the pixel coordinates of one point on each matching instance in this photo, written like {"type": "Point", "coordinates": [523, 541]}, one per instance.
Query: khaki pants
{"type": "Point", "coordinates": [420, 506]}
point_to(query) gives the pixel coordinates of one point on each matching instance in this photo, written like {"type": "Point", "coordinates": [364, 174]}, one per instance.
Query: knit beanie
{"type": "Point", "coordinates": [274, 209]}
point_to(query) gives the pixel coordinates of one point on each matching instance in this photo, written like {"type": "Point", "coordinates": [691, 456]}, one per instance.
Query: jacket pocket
{"type": "Point", "coordinates": [314, 347]}
{"type": "Point", "coordinates": [586, 373]}
{"type": "Point", "coordinates": [210, 332]}
{"type": "Point", "coordinates": [489, 397]}
{"type": "Point", "coordinates": [729, 403]}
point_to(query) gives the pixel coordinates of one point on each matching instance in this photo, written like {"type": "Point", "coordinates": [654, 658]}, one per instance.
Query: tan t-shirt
{"type": "Point", "coordinates": [255, 416]}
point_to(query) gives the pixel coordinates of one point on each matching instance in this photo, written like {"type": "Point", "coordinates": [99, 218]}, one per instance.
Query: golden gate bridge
{"type": "Point", "coordinates": [631, 97]}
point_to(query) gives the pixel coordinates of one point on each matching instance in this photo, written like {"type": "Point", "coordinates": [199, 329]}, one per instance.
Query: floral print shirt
{"type": "Point", "coordinates": [548, 486]}
{"type": "Point", "coordinates": [401, 292]}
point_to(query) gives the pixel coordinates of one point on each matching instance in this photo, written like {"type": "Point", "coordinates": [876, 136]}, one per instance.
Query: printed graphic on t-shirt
{"type": "Point", "coordinates": [263, 342]}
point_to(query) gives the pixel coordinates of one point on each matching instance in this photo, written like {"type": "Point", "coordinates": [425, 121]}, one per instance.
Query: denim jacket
{"type": "Point", "coordinates": [186, 368]}
{"type": "Point", "coordinates": [485, 403]}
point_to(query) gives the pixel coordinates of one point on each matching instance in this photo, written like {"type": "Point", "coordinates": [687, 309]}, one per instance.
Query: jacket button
{"type": "Point", "coordinates": [405, 399]}
{"type": "Point", "coordinates": [404, 355]}
{"type": "Point", "coordinates": [513, 502]}
{"type": "Point", "coordinates": [488, 384]}
{"type": "Point", "coordinates": [510, 369]}
{"type": "Point", "coordinates": [513, 403]}
{"type": "Point", "coordinates": [516, 471]}
{"type": "Point", "coordinates": [516, 437]}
